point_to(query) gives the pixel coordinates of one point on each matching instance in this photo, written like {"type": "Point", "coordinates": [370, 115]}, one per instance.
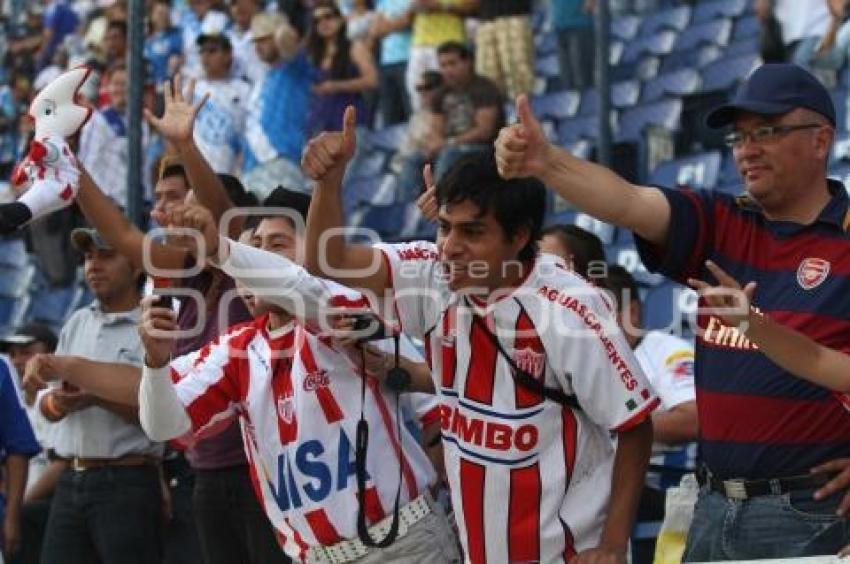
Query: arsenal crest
{"type": "Point", "coordinates": [530, 361]}
{"type": "Point", "coordinates": [812, 272]}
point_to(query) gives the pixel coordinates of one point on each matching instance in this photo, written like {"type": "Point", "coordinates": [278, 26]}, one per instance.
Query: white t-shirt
{"type": "Point", "coordinates": [530, 479]}
{"type": "Point", "coordinates": [668, 362]}
{"type": "Point", "coordinates": [221, 122]}
{"type": "Point", "coordinates": [802, 18]}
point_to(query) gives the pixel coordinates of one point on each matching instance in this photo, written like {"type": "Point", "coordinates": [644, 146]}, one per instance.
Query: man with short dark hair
{"type": "Point", "coordinates": [101, 440]}
{"type": "Point", "coordinates": [467, 109]}
{"type": "Point", "coordinates": [762, 430]}
{"type": "Point", "coordinates": [526, 412]}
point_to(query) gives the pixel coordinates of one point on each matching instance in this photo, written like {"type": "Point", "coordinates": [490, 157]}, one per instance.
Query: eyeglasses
{"type": "Point", "coordinates": [764, 133]}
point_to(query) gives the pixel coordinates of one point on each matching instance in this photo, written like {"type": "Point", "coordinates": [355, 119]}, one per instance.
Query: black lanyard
{"type": "Point", "coordinates": [362, 446]}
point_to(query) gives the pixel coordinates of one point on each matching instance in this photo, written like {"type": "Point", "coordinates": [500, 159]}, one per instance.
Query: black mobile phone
{"type": "Point", "coordinates": [164, 300]}
{"type": "Point", "coordinates": [369, 327]}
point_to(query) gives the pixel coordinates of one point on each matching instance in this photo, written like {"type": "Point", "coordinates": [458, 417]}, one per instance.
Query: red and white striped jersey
{"type": "Point", "coordinates": [298, 399]}
{"type": "Point", "coordinates": [530, 479]}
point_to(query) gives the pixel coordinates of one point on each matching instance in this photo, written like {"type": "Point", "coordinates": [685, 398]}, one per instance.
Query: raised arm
{"type": "Point", "coordinates": [357, 266]}
{"type": "Point", "coordinates": [177, 125]}
{"type": "Point", "coordinates": [268, 275]}
{"type": "Point", "coordinates": [523, 150]}
{"type": "Point", "coordinates": [120, 233]}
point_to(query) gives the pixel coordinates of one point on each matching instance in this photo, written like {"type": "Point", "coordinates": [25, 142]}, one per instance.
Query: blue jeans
{"type": "Point", "coordinates": [771, 526]}
{"type": "Point", "coordinates": [107, 515]}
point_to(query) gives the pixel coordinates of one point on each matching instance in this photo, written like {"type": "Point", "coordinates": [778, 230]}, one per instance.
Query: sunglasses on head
{"type": "Point", "coordinates": [319, 17]}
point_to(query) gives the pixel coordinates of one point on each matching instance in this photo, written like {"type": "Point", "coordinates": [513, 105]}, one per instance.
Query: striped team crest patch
{"type": "Point", "coordinates": [812, 272]}
{"type": "Point", "coordinates": [286, 408]}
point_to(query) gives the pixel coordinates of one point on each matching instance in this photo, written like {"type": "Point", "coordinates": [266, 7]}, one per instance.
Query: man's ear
{"type": "Point", "coordinates": [634, 311]}
{"type": "Point", "coordinates": [521, 238]}
{"type": "Point", "coordinates": [824, 140]}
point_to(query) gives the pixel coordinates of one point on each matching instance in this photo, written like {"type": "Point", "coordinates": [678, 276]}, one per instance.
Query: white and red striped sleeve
{"type": "Point", "coordinates": [412, 269]}
{"type": "Point", "coordinates": [599, 364]}
{"type": "Point", "coordinates": [206, 382]}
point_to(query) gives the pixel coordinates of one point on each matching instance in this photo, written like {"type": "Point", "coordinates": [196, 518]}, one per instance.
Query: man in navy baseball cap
{"type": "Point", "coordinates": [775, 89]}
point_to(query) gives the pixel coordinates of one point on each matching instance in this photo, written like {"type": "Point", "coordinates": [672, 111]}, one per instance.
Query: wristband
{"type": "Point", "coordinates": [49, 407]}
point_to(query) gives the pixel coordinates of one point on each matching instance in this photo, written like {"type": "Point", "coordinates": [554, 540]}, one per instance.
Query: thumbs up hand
{"type": "Point", "coordinates": [326, 156]}
{"type": "Point", "coordinates": [521, 148]}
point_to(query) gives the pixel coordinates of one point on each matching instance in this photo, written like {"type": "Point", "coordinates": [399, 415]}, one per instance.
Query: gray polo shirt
{"type": "Point", "coordinates": [95, 432]}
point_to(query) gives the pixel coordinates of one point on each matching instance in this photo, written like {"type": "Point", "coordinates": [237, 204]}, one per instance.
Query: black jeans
{"type": "Point", "coordinates": [107, 515]}
{"type": "Point", "coordinates": [33, 523]}
{"type": "Point", "coordinates": [393, 98]}
{"type": "Point", "coordinates": [180, 543]}
{"type": "Point", "coordinates": [232, 525]}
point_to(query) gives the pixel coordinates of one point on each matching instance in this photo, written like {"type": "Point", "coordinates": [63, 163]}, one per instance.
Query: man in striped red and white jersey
{"type": "Point", "coordinates": [297, 395]}
{"type": "Point", "coordinates": [532, 480]}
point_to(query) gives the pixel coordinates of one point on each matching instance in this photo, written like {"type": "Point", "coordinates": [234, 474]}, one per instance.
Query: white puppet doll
{"type": "Point", "coordinates": [49, 174]}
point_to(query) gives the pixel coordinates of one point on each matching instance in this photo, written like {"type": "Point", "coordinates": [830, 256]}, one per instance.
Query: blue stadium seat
{"type": "Point", "coordinates": [664, 114]}
{"type": "Point", "coordinates": [545, 44]}
{"type": "Point", "coordinates": [667, 306]}
{"type": "Point", "coordinates": [625, 27]}
{"type": "Point", "coordinates": [389, 138]}
{"type": "Point", "coordinates": [746, 28]}
{"type": "Point", "coordinates": [565, 217]}
{"type": "Point", "coordinates": [548, 66]}
{"type": "Point", "coordinates": [370, 165]}
{"type": "Point", "coordinates": [842, 173]}
{"type": "Point", "coordinates": [674, 18]}
{"type": "Point", "coordinates": [695, 171]}
{"type": "Point", "coordinates": [725, 73]}
{"type": "Point", "coordinates": [386, 220]}
{"type": "Point", "coordinates": [605, 231]}
{"type": "Point", "coordinates": [746, 46]}
{"type": "Point", "coordinates": [728, 171]}
{"type": "Point", "coordinates": [841, 149]}
{"type": "Point", "coordinates": [719, 8]}
{"type": "Point", "coordinates": [13, 253]}
{"type": "Point", "coordinates": [578, 128]}
{"type": "Point", "coordinates": [624, 94]}
{"type": "Point", "coordinates": [14, 293]}
{"type": "Point", "coordinates": [558, 105]}
{"type": "Point", "coordinates": [714, 32]}
{"type": "Point", "coordinates": [693, 58]}
{"type": "Point", "coordinates": [359, 191]}
{"type": "Point", "coordinates": [660, 43]}
{"type": "Point", "coordinates": [51, 305]}
{"type": "Point", "coordinates": [675, 83]}
{"type": "Point", "coordinates": [626, 255]}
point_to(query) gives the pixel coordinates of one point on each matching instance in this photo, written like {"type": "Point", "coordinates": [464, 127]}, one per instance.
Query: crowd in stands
{"type": "Point", "coordinates": [234, 91]}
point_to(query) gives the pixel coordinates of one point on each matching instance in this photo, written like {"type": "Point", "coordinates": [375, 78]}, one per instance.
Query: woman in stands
{"type": "Point", "coordinates": [345, 70]}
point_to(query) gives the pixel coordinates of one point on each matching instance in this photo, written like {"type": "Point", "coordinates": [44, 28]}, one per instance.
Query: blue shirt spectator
{"type": "Point", "coordinates": [395, 47]}
{"type": "Point", "coordinates": [159, 48]}
{"type": "Point", "coordinates": [59, 21]}
{"type": "Point", "coordinates": [277, 113]}
{"type": "Point", "coordinates": [8, 126]}
{"type": "Point", "coordinates": [16, 434]}
{"type": "Point", "coordinates": [569, 14]}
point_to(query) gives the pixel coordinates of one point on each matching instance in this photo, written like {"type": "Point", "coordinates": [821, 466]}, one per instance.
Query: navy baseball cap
{"type": "Point", "coordinates": [775, 89]}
